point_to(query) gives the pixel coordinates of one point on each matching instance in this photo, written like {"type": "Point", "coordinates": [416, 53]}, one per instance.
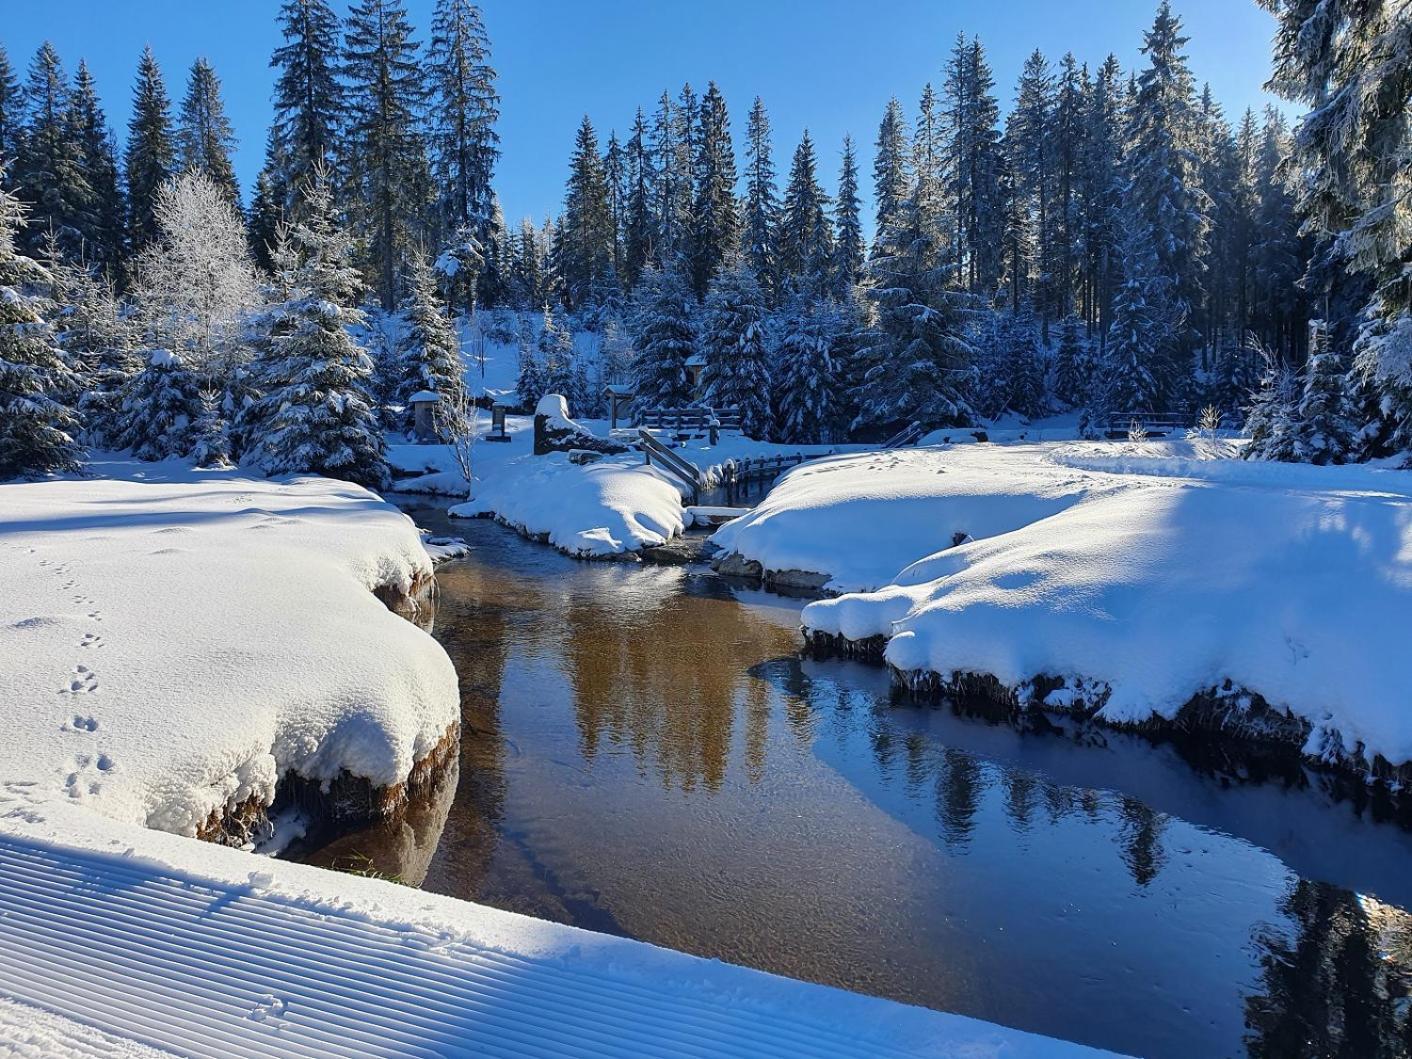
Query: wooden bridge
{"type": "Point", "coordinates": [1152, 424]}
{"type": "Point", "coordinates": [689, 421]}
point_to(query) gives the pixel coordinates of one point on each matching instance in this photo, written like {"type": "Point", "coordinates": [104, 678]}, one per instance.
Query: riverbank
{"type": "Point", "coordinates": [1162, 586]}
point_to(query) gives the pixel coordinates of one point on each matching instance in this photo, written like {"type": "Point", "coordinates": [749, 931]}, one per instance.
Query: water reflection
{"type": "Point", "coordinates": [646, 754]}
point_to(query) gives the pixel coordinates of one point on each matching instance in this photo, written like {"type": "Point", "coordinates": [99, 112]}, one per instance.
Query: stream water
{"type": "Point", "coordinates": [645, 753]}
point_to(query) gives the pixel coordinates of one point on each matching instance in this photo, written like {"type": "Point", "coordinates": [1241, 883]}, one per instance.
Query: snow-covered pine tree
{"type": "Point", "coordinates": [762, 207]}
{"type": "Point", "coordinates": [1073, 364]}
{"type": "Point", "coordinates": [48, 172]}
{"type": "Point", "coordinates": [637, 220]}
{"type": "Point", "coordinates": [1273, 415]}
{"type": "Point", "coordinates": [671, 165]}
{"type": "Point", "coordinates": [556, 353]}
{"type": "Point", "coordinates": [737, 372]}
{"type": "Point", "coordinates": [849, 249]}
{"type": "Point", "coordinates": [530, 378]}
{"type": "Point", "coordinates": [918, 361]}
{"type": "Point", "coordinates": [430, 353]}
{"type": "Point", "coordinates": [97, 338]}
{"type": "Point", "coordinates": [1022, 366]}
{"type": "Point", "coordinates": [928, 164]}
{"type": "Point", "coordinates": [1125, 380]}
{"type": "Point", "coordinates": [1236, 377]}
{"type": "Point", "coordinates": [715, 218]}
{"type": "Point", "coordinates": [976, 164]}
{"type": "Point", "coordinates": [1029, 146]}
{"type": "Point", "coordinates": [204, 137]}
{"type": "Point", "coordinates": [36, 429]}
{"type": "Point", "coordinates": [1101, 192]}
{"type": "Point", "coordinates": [307, 102]}
{"type": "Point", "coordinates": [805, 232]}
{"type": "Point", "coordinates": [104, 217]}
{"type": "Point", "coordinates": [150, 156]}
{"type": "Point", "coordinates": [891, 175]}
{"type": "Point", "coordinates": [316, 414]}
{"type": "Point", "coordinates": [463, 112]}
{"type": "Point", "coordinates": [160, 407]}
{"type": "Point", "coordinates": [386, 92]}
{"type": "Point", "coordinates": [807, 382]}
{"type": "Point", "coordinates": [210, 434]}
{"type": "Point", "coordinates": [666, 340]}
{"type": "Point", "coordinates": [1326, 430]}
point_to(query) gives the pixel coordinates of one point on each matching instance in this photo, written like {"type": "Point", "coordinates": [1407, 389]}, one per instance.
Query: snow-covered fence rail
{"type": "Point", "coordinates": [737, 476]}
{"type": "Point", "coordinates": [910, 435]}
{"type": "Point", "coordinates": [673, 464]}
{"type": "Point", "coordinates": [693, 419]}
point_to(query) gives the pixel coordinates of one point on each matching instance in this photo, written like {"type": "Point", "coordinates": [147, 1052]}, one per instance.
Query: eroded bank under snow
{"type": "Point", "coordinates": [1135, 583]}
{"type": "Point", "coordinates": [174, 643]}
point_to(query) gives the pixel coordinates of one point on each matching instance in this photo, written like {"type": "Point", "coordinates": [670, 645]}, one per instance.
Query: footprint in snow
{"type": "Point", "coordinates": [91, 639]}
{"type": "Point", "coordinates": [83, 682]}
{"type": "Point", "coordinates": [81, 723]}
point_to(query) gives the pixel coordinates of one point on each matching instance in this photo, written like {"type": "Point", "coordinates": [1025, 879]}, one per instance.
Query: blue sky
{"type": "Point", "coordinates": [830, 65]}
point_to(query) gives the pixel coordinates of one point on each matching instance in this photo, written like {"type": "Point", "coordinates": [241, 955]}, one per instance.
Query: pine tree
{"type": "Point", "coordinates": [1021, 366]}
{"type": "Point", "coordinates": [1273, 415]}
{"type": "Point", "coordinates": [48, 173]}
{"type": "Point", "coordinates": [1073, 364]}
{"type": "Point", "coordinates": [530, 382]}
{"type": "Point", "coordinates": [807, 382]}
{"type": "Point", "coordinates": [1325, 431]}
{"type": "Point", "coordinates": [615, 177]}
{"type": "Point", "coordinates": [150, 157]}
{"type": "Point", "coordinates": [103, 218]}
{"type": "Point", "coordinates": [891, 176]}
{"type": "Point", "coordinates": [36, 428]}
{"type": "Point", "coordinates": [1126, 381]}
{"type": "Point", "coordinates": [737, 373]}
{"type": "Point", "coordinates": [671, 164]}
{"type": "Point", "coordinates": [849, 250]}
{"type": "Point", "coordinates": [1101, 193]}
{"type": "Point", "coordinates": [1165, 198]}
{"type": "Point", "coordinates": [976, 164]}
{"type": "Point", "coordinates": [928, 196]}
{"type": "Point", "coordinates": [316, 416]}
{"type": "Point", "coordinates": [586, 250]}
{"type": "Point", "coordinates": [1066, 133]}
{"type": "Point", "coordinates": [638, 220]}
{"type": "Point", "coordinates": [160, 407]}
{"type": "Point", "coordinates": [12, 107]}
{"type": "Point", "coordinates": [556, 354]}
{"type": "Point", "coordinates": [386, 93]}
{"type": "Point", "coordinates": [465, 107]}
{"type": "Point", "coordinates": [1029, 149]}
{"type": "Point", "coordinates": [210, 434]}
{"type": "Point", "coordinates": [762, 208]}
{"type": "Point", "coordinates": [430, 353]}
{"type": "Point", "coordinates": [1278, 255]}
{"type": "Point", "coordinates": [716, 223]}
{"type": "Point", "coordinates": [666, 340]}
{"type": "Point", "coordinates": [805, 233]}
{"type": "Point", "coordinates": [97, 337]}
{"type": "Point", "coordinates": [204, 136]}
{"type": "Point", "coordinates": [307, 102]}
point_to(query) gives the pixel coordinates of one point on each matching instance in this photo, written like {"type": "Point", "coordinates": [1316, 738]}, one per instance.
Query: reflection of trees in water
{"type": "Point", "coordinates": [960, 783]}
{"type": "Point", "coordinates": [667, 684]}
{"type": "Point", "coordinates": [1142, 839]}
{"type": "Point", "coordinates": [1335, 980]}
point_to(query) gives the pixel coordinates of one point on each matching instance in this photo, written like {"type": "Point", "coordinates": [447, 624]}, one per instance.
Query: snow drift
{"type": "Point", "coordinates": [1127, 580]}
{"type": "Point", "coordinates": [172, 645]}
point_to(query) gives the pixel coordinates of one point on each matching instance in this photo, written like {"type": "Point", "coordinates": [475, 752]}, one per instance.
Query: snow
{"type": "Point", "coordinates": [424, 395]}
{"type": "Point", "coordinates": [173, 641]}
{"type": "Point", "coordinates": [1143, 568]}
{"type": "Point", "coordinates": [162, 357]}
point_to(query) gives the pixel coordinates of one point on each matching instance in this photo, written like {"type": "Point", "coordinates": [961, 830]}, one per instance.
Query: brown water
{"type": "Point", "coordinates": [644, 753]}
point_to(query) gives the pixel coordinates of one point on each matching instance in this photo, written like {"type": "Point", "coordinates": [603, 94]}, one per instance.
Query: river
{"type": "Point", "coordinates": [645, 753]}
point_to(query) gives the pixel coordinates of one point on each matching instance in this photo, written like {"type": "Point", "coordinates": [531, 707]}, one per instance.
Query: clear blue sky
{"type": "Point", "coordinates": [830, 65]}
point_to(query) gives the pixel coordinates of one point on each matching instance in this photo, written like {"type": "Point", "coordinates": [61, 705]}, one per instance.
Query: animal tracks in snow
{"type": "Point", "coordinates": [83, 682]}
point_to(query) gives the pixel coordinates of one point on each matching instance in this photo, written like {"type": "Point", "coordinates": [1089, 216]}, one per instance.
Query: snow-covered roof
{"type": "Point", "coordinates": [696, 360]}
{"type": "Point", "coordinates": [424, 396]}
{"type": "Point", "coordinates": [620, 389]}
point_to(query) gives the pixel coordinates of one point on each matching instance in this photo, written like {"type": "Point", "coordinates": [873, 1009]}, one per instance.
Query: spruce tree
{"type": "Point", "coordinates": [48, 174]}
{"type": "Point", "coordinates": [737, 372]}
{"type": "Point", "coordinates": [12, 106]}
{"type": "Point", "coordinates": [1101, 192]}
{"type": "Point", "coordinates": [430, 353]}
{"type": "Point", "coordinates": [1073, 364]}
{"type": "Point", "coordinates": [805, 235]}
{"type": "Point", "coordinates": [103, 219]}
{"type": "Point", "coordinates": [928, 198]}
{"type": "Point", "coordinates": [1021, 365]}
{"type": "Point", "coordinates": [556, 354]}
{"type": "Point", "coordinates": [307, 101]}
{"type": "Point", "coordinates": [464, 109]}
{"type": "Point", "coordinates": [975, 167]}
{"type": "Point", "coordinates": [150, 156]}
{"type": "Point", "coordinates": [530, 378]}
{"type": "Point", "coordinates": [36, 428]}
{"type": "Point", "coordinates": [672, 168]}
{"type": "Point", "coordinates": [1326, 430]}
{"type": "Point", "coordinates": [891, 178]}
{"type": "Point", "coordinates": [204, 136]}
{"type": "Point", "coordinates": [1126, 381]}
{"type": "Point", "coordinates": [715, 221]}
{"type": "Point", "coordinates": [386, 91]}
{"type": "Point", "coordinates": [315, 415]}
{"type": "Point", "coordinates": [586, 250]}
{"type": "Point", "coordinates": [762, 208]}
{"type": "Point", "coordinates": [1273, 415]}
{"type": "Point", "coordinates": [849, 250]}
{"type": "Point", "coordinates": [666, 340]}
{"type": "Point", "coordinates": [638, 219]}
{"type": "Point", "coordinates": [1029, 149]}
{"type": "Point", "coordinates": [807, 381]}
{"type": "Point", "coordinates": [160, 407]}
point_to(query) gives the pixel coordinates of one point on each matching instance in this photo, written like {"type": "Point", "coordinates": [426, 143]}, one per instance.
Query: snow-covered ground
{"type": "Point", "coordinates": [173, 641]}
{"type": "Point", "coordinates": [1143, 575]}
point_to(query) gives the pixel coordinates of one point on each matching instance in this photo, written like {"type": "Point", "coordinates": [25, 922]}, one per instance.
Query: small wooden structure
{"type": "Point", "coordinates": [739, 476]}
{"type": "Point", "coordinates": [423, 404]}
{"type": "Point", "coordinates": [619, 396]}
{"type": "Point", "coordinates": [695, 365]}
{"type": "Point", "coordinates": [497, 424]}
{"type": "Point", "coordinates": [675, 465]}
{"type": "Point", "coordinates": [690, 421]}
{"type": "Point", "coordinates": [1151, 424]}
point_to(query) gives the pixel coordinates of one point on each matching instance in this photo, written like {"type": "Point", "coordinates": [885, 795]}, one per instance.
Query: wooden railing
{"type": "Point", "coordinates": [673, 464]}
{"type": "Point", "coordinates": [908, 436]}
{"type": "Point", "coordinates": [1153, 424]}
{"type": "Point", "coordinates": [690, 419]}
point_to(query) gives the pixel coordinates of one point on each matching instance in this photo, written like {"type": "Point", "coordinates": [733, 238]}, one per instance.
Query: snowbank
{"type": "Point", "coordinates": [1144, 581]}
{"type": "Point", "coordinates": [592, 511]}
{"type": "Point", "coordinates": [172, 644]}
